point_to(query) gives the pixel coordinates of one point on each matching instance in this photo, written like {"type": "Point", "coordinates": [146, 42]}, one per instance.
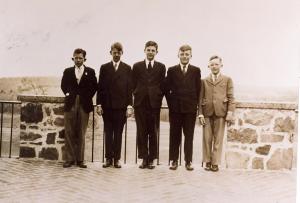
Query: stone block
{"type": "Point", "coordinates": [32, 113]}
{"type": "Point", "coordinates": [59, 122]}
{"type": "Point", "coordinates": [48, 111]}
{"type": "Point", "coordinates": [284, 125]}
{"type": "Point", "coordinates": [23, 127]}
{"type": "Point", "coordinates": [258, 118]}
{"type": "Point", "coordinates": [263, 150]}
{"type": "Point", "coordinates": [271, 138]}
{"type": "Point", "coordinates": [36, 143]}
{"type": "Point", "coordinates": [240, 122]}
{"type": "Point", "coordinates": [63, 151]}
{"type": "Point", "coordinates": [30, 136]}
{"type": "Point", "coordinates": [50, 138]}
{"type": "Point", "coordinates": [49, 153]}
{"type": "Point", "coordinates": [236, 160]}
{"type": "Point", "coordinates": [281, 159]}
{"type": "Point", "coordinates": [257, 163]}
{"type": "Point", "coordinates": [61, 134]}
{"type": "Point", "coordinates": [27, 152]}
{"type": "Point", "coordinates": [59, 110]}
{"type": "Point", "coordinates": [243, 136]}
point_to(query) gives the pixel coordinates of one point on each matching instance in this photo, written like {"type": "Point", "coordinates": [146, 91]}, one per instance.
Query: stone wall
{"type": "Point", "coordinates": [263, 137]}
{"type": "Point", "coordinates": [42, 127]}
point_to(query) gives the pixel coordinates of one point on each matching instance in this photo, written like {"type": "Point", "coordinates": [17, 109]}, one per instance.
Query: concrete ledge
{"type": "Point", "coordinates": [41, 98]}
{"type": "Point", "coordinates": [265, 105]}
{"type": "Point", "coordinates": [254, 105]}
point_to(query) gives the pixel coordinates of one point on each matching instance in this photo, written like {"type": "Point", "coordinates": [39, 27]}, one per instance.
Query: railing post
{"type": "Point", "coordinates": [93, 135]}
{"type": "Point", "coordinates": [125, 149]}
{"type": "Point", "coordinates": [103, 145]}
{"type": "Point", "coordinates": [1, 129]}
{"type": "Point", "coordinates": [180, 147]}
{"type": "Point", "coordinates": [11, 128]}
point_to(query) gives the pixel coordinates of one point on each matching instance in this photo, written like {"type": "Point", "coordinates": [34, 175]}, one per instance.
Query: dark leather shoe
{"type": "Point", "coordinates": [150, 164]}
{"type": "Point", "coordinates": [81, 165]}
{"type": "Point", "coordinates": [117, 164]}
{"type": "Point", "coordinates": [144, 164]}
{"type": "Point", "coordinates": [188, 166]}
{"type": "Point", "coordinates": [174, 165]}
{"type": "Point", "coordinates": [207, 166]}
{"type": "Point", "coordinates": [68, 164]}
{"type": "Point", "coordinates": [214, 168]}
{"type": "Point", "coordinates": [108, 163]}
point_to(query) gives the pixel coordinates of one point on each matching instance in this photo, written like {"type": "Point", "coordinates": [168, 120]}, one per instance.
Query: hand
{"type": "Point", "coordinates": [129, 111]}
{"type": "Point", "coordinates": [99, 110]}
{"type": "Point", "coordinates": [230, 120]}
{"type": "Point", "coordinates": [202, 120]}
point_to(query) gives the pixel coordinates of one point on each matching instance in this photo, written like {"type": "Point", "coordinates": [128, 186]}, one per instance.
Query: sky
{"type": "Point", "coordinates": [259, 40]}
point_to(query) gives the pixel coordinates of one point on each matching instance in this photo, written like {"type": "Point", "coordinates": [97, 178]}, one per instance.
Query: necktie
{"type": "Point", "coordinates": [214, 78]}
{"type": "Point", "coordinates": [79, 74]}
{"type": "Point", "coordinates": [149, 67]}
{"type": "Point", "coordinates": [115, 66]}
{"type": "Point", "coordinates": [184, 69]}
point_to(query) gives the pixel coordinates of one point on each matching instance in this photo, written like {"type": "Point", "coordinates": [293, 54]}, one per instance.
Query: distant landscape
{"type": "Point", "coordinates": [12, 86]}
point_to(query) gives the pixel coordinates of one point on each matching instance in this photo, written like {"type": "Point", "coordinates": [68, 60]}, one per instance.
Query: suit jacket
{"type": "Point", "coordinates": [114, 87]}
{"type": "Point", "coordinates": [85, 89]}
{"type": "Point", "coordinates": [216, 97]}
{"type": "Point", "coordinates": [182, 91]}
{"type": "Point", "coordinates": [148, 84]}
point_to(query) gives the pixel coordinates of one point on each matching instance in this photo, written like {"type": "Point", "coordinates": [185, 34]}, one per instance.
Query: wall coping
{"type": "Point", "coordinates": [256, 105]}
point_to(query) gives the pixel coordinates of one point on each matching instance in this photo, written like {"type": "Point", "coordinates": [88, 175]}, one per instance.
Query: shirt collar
{"type": "Point", "coordinates": [80, 68]}
{"type": "Point", "coordinates": [181, 66]}
{"type": "Point", "coordinates": [147, 62]}
{"type": "Point", "coordinates": [217, 76]}
{"type": "Point", "coordinates": [118, 63]}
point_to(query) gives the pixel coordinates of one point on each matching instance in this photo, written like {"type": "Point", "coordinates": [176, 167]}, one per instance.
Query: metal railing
{"type": "Point", "coordinates": [136, 141]}
{"type": "Point", "coordinates": [11, 111]}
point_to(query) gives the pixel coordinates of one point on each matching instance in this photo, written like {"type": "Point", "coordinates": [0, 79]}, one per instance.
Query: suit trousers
{"type": "Point", "coordinates": [114, 120]}
{"type": "Point", "coordinates": [213, 134]}
{"type": "Point", "coordinates": [179, 122]}
{"type": "Point", "coordinates": [147, 122]}
{"type": "Point", "coordinates": [76, 121]}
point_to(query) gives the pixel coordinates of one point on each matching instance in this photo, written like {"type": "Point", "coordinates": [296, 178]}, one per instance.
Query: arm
{"type": "Point", "coordinates": [231, 103]}
{"type": "Point", "coordinates": [201, 97]}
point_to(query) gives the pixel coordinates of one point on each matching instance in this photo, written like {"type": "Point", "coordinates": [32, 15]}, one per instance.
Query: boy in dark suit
{"type": "Point", "coordinates": [79, 86]}
{"type": "Point", "coordinates": [182, 88]}
{"type": "Point", "coordinates": [216, 106]}
{"type": "Point", "coordinates": [114, 100]}
{"type": "Point", "coordinates": [148, 76]}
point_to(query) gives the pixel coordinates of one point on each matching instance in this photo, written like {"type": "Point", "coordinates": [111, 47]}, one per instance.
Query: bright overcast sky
{"type": "Point", "coordinates": [259, 40]}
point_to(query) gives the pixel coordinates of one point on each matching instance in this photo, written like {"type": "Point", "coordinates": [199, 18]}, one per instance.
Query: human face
{"type": "Point", "coordinates": [185, 56]}
{"type": "Point", "coordinates": [150, 52]}
{"type": "Point", "coordinates": [215, 66]}
{"type": "Point", "coordinates": [116, 54]}
{"type": "Point", "coordinates": [78, 59]}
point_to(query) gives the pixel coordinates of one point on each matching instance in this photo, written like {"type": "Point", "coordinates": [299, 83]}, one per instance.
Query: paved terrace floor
{"type": "Point", "coordinates": [28, 180]}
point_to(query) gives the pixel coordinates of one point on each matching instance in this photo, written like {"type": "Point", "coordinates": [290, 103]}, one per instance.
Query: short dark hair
{"type": "Point", "coordinates": [80, 51]}
{"type": "Point", "coordinates": [185, 47]}
{"type": "Point", "coordinates": [117, 45]}
{"type": "Point", "coordinates": [151, 43]}
{"type": "Point", "coordinates": [215, 57]}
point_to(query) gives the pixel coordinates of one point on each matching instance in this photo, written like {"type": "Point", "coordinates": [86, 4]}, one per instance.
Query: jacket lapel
{"type": "Point", "coordinates": [178, 72]}
{"type": "Point", "coordinates": [220, 78]}
{"type": "Point", "coordinates": [119, 71]}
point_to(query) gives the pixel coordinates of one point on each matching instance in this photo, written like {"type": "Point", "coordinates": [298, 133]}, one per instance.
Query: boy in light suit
{"type": "Point", "coordinates": [216, 106]}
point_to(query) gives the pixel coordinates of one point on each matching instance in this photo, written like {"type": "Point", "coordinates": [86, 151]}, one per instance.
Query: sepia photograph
{"type": "Point", "coordinates": [149, 101]}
